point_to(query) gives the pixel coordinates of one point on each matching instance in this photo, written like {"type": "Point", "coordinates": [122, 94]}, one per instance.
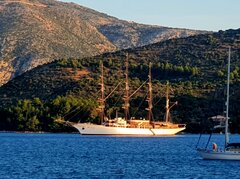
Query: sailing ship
{"type": "Point", "coordinates": [127, 125]}
{"type": "Point", "coordinates": [231, 151]}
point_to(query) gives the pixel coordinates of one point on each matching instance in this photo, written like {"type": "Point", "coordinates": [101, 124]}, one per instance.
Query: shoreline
{"type": "Point", "coordinates": [43, 132]}
{"type": "Point", "coordinates": [39, 132]}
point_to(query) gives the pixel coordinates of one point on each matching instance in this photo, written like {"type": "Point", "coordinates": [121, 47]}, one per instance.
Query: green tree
{"type": "Point", "coordinates": [220, 73]}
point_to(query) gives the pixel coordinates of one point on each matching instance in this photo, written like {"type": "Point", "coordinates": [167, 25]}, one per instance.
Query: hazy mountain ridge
{"type": "Point", "coordinates": [135, 35]}
{"type": "Point", "coordinates": [129, 34]}
{"type": "Point", "coordinates": [35, 32]}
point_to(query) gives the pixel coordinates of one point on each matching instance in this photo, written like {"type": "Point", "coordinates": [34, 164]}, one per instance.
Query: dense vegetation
{"type": "Point", "coordinates": [67, 90]}
{"type": "Point", "coordinates": [35, 115]}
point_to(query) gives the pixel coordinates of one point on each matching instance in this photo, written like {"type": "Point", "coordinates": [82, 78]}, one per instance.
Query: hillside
{"type": "Point", "coordinates": [128, 34]}
{"type": "Point", "coordinates": [35, 32]}
{"type": "Point", "coordinates": [195, 67]}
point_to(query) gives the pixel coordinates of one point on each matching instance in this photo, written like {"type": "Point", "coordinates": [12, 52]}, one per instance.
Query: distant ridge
{"type": "Point", "coordinates": [35, 32]}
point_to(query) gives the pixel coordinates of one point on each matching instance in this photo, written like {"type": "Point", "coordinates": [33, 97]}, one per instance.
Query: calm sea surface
{"type": "Point", "coordinates": [76, 156]}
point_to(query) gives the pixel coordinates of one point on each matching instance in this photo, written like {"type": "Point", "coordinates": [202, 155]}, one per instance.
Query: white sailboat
{"type": "Point", "coordinates": [231, 151]}
{"type": "Point", "coordinates": [127, 125]}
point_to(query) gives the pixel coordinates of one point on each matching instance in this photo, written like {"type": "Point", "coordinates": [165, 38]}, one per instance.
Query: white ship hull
{"type": "Point", "coordinates": [219, 155]}
{"type": "Point", "coordinates": [167, 131]}
{"type": "Point", "coordinates": [93, 129]}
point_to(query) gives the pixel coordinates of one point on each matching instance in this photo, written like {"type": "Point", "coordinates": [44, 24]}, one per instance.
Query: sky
{"type": "Point", "coordinates": [212, 15]}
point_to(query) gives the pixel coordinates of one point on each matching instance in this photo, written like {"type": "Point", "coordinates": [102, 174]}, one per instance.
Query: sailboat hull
{"type": "Point", "coordinates": [218, 155]}
{"type": "Point", "coordinates": [167, 131]}
{"type": "Point", "coordinates": [93, 129]}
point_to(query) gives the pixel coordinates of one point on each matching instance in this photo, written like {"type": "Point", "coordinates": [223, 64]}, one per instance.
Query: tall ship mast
{"type": "Point", "coordinates": [149, 99]}
{"type": "Point", "coordinates": [126, 96]}
{"type": "Point", "coordinates": [102, 98]}
{"type": "Point", "coordinates": [167, 113]}
{"type": "Point", "coordinates": [167, 117]}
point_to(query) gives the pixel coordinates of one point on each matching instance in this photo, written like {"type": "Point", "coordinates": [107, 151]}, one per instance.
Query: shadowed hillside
{"type": "Point", "coordinates": [195, 67]}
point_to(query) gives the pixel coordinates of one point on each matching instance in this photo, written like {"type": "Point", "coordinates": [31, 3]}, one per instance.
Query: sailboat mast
{"type": "Point", "coordinates": [126, 96]}
{"type": "Point", "coordinates": [227, 102]}
{"type": "Point", "coordinates": [101, 99]}
{"type": "Point", "coordinates": [167, 104]}
{"type": "Point", "coordinates": [150, 106]}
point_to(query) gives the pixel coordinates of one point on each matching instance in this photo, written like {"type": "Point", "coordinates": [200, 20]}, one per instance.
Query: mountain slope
{"type": "Point", "coordinates": [195, 67]}
{"type": "Point", "coordinates": [171, 59]}
{"type": "Point", "coordinates": [35, 32]}
{"type": "Point", "coordinates": [128, 34]}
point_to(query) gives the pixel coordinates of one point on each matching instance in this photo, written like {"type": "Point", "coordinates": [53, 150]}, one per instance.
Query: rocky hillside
{"type": "Point", "coordinates": [128, 34]}
{"type": "Point", "coordinates": [35, 32]}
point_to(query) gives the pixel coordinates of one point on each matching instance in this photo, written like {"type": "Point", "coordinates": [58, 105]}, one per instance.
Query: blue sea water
{"type": "Point", "coordinates": [76, 156]}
